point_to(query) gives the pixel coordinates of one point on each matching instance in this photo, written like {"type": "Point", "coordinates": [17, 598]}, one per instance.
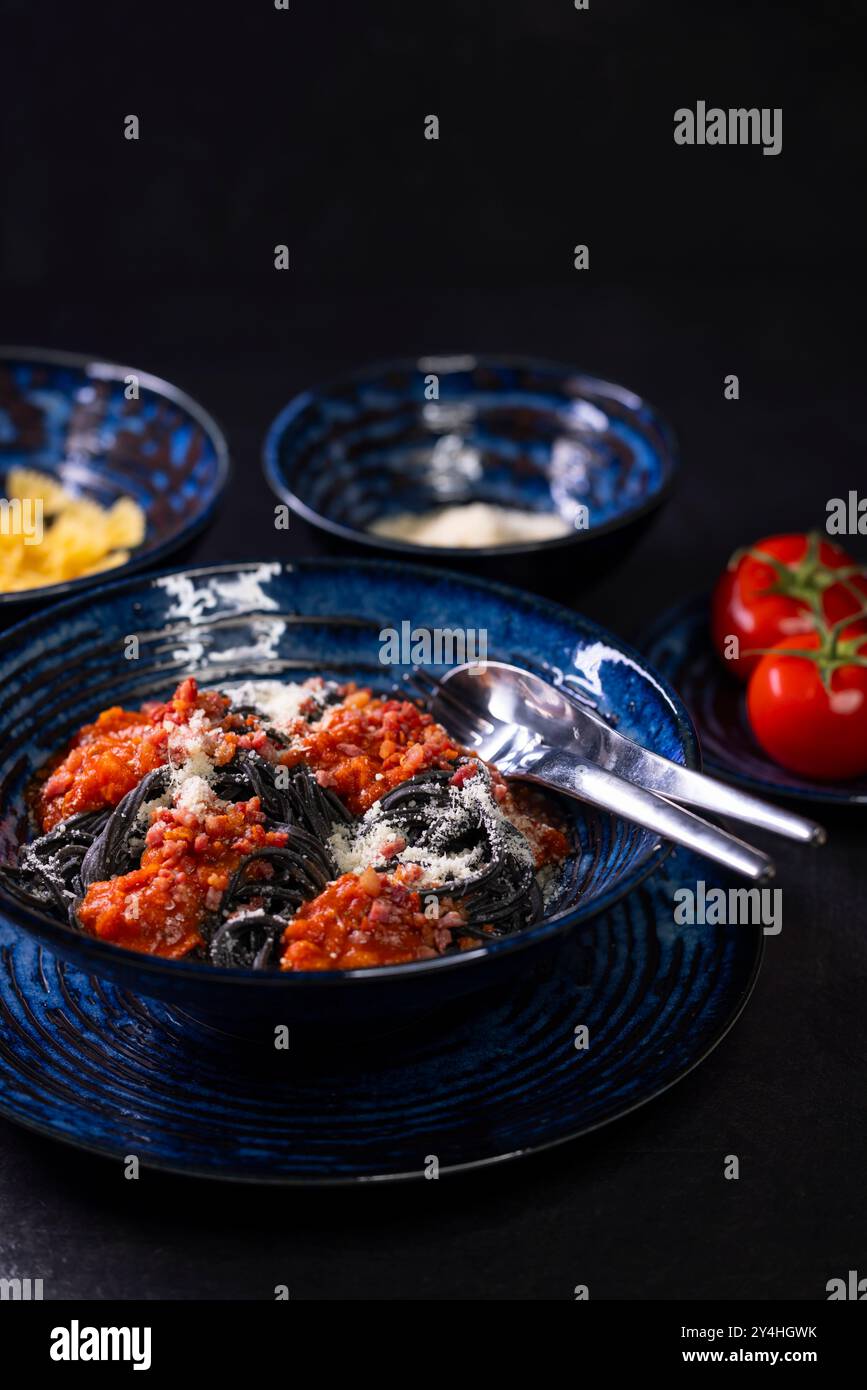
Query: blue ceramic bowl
{"type": "Point", "coordinates": [234, 621]}
{"type": "Point", "coordinates": [69, 415]}
{"type": "Point", "coordinates": [511, 431]}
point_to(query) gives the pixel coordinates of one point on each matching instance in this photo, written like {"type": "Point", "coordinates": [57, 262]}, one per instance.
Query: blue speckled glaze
{"type": "Point", "coordinates": [68, 415]}
{"type": "Point", "coordinates": [493, 1078]}
{"type": "Point", "coordinates": [228, 622]}
{"type": "Point", "coordinates": [680, 647]}
{"type": "Point", "coordinates": [510, 431]}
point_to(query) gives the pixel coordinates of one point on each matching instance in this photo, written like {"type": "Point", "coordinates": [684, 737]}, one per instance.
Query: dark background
{"type": "Point", "coordinates": [261, 127]}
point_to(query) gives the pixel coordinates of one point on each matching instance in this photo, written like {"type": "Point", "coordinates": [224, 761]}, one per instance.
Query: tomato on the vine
{"type": "Point", "coordinates": [777, 589]}
{"type": "Point", "coordinates": [807, 703]}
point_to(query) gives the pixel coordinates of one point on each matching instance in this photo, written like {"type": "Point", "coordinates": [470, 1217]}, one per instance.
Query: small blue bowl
{"type": "Point", "coordinates": [230, 622]}
{"type": "Point", "coordinates": [511, 431]}
{"type": "Point", "coordinates": [68, 415]}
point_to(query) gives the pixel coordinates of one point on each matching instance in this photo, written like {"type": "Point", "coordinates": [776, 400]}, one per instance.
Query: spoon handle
{"type": "Point", "coordinates": [626, 758]}
{"type": "Point", "coordinates": [566, 772]}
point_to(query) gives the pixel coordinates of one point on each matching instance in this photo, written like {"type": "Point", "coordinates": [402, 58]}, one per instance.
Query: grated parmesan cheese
{"type": "Point", "coordinates": [281, 704]}
{"type": "Point", "coordinates": [188, 749]}
{"type": "Point", "coordinates": [472, 525]}
{"type": "Point", "coordinates": [356, 847]}
{"type": "Point", "coordinates": [145, 813]}
{"type": "Point", "coordinates": [195, 796]}
{"type": "Point", "coordinates": [550, 880]}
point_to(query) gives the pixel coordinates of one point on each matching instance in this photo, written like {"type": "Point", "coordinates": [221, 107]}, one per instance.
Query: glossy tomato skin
{"type": "Point", "coordinates": [802, 726]}
{"type": "Point", "coordinates": [741, 606]}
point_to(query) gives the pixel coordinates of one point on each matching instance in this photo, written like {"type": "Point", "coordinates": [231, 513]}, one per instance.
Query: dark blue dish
{"type": "Point", "coordinates": [490, 1079]}
{"type": "Point", "coordinates": [68, 415]}
{"type": "Point", "coordinates": [228, 622]}
{"type": "Point", "coordinates": [679, 646]}
{"type": "Point", "coordinates": [511, 431]}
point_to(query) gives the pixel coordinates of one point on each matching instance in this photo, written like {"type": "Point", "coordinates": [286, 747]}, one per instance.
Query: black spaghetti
{"type": "Point", "coordinates": [295, 827]}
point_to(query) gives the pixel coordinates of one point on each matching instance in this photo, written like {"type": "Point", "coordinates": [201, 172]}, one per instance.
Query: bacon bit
{"type": "Point", "coordinates": [256, 741]}
{"type": "Point", "coordinates": [463, 774]}
{"type": "Point", "coordinates": [381, 910]}
{"type": "Point", "coordinates": [414, 759]}
{"type": "Point", "coordinates": [393, 847]}
{"type": "Point", "coordinates": [452, 919]}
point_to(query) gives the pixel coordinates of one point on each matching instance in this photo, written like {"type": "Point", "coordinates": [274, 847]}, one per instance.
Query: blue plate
{"type": "Point", "coordinates": [512, 431]}
{"type": "Point", "coordinates": [69, 415]}
{"type": "Point", "coordinates": [491, 1079]}
{"type": "Point", "coordinates": [233, 621]}
{"type": "Point", "coordinates": [679, 646]}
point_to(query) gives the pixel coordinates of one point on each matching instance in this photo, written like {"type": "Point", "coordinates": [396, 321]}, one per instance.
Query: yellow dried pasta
{"type": "Point", "coordinates": [47, 535]}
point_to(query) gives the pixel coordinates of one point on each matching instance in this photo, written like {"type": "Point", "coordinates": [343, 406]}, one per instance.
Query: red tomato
{"type": "Point", "coordinates": [815, 728]}
{"type": "Point", "coordinates": [762, 601]}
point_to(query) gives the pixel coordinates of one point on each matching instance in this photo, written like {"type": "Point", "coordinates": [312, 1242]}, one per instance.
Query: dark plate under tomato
{"type": "Point", "coordinates": [679, 646]}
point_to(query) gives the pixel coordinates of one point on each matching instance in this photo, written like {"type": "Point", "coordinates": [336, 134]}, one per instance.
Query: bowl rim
{"type": "Point", "coordinates": [105, 370]}
{"type": "Point", "coordinates": [300, 402]}
{"type": "Point", "coordinates": [93, 950]}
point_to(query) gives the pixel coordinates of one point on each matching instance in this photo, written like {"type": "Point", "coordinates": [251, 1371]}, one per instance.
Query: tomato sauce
{"type": "Point", "coordinates": [530, 811]}
{"type": "Point", "coordinates": [367, 746]}
{"type": "Point", "coordinates": [108, 758]}
{"type": "Point", "coordinates": [363, 920]}
{"type": "Point", "coordinates": [185, 869]}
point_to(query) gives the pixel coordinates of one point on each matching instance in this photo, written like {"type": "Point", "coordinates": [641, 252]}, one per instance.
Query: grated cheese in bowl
{"type": "Point", "coordinates": [472, 526]}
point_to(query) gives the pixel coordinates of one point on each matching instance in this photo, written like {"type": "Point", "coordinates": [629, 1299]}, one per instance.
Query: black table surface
{"type": "Point", "coordinates": [640, 1209]}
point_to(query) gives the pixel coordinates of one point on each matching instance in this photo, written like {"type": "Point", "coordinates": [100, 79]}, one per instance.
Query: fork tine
{"type": "Point", "coordinates": [426, 689]}
{"type": "Point", "coordinates": [430, 683]}
{"type": "Point", "coordinates": [422, 680]}
{"type": "Point", "coordinates": [431, 689]}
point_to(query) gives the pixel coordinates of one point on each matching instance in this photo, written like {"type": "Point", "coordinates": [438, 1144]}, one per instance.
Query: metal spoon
{"type": "Point", "coordinates": [527, 729]}
{"type": "Point", "coordinates": [513, 696]}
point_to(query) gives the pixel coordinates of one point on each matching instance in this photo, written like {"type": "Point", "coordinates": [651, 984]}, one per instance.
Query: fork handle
{"type": "Point", "coordinates": [565, 772]}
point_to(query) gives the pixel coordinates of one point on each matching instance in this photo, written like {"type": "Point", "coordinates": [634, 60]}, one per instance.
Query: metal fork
{"type": "Point", "coordinates": [517, 751]}
{"type": "Point", "coordinates": [522, 697]}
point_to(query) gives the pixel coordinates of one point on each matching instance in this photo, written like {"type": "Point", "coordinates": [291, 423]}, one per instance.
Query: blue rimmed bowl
{"type": "Point", "coordinates": [79, 419]}
{"type": "Point", "coordinates": [416, 435]}
{"type": "Point", "coordinates": [230, 622]}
